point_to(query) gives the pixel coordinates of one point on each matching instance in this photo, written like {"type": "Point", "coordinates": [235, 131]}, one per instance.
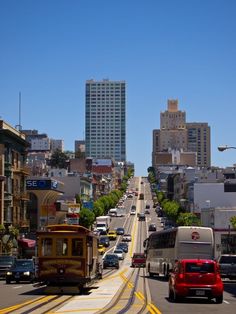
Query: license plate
{"type": "Point", "coordinates": [200, 292]}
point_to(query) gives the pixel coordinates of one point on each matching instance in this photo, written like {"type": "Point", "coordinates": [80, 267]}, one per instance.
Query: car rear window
{"type": "Point", "coordinates": [199, 267]}
{"type": "Point", "coordinates": [139, 256]}
{"type": "Point", "coordinates": [111, 257]}
{"type": "Point", "coordinates": [227, 259]}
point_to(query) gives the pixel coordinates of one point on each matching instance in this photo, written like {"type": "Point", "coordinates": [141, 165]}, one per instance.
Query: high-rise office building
{"type": "Point", "coordinates": [199, 141]}
{"type": "Point", "coordinates": [105, 119]}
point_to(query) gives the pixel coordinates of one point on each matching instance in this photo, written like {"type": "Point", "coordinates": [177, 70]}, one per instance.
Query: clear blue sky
{"type": "Point", "coordinates": [168, 49]}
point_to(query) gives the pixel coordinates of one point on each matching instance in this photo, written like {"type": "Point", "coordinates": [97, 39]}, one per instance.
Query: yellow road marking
{"type": "Point", "coordinates": [151, 307]}
{"type": "Point", "coordinates": [140, 295]}
{"type": "Point", "coordinates": [76, 311]}
{"type": "Point", "coordinates": [133, 237]}
{"type": "Point", "coordinates": [154, 308]}
{"type": "Point", "coordinates": [17, 306]}
{"type": "Point", "coordinates": [114, 276]}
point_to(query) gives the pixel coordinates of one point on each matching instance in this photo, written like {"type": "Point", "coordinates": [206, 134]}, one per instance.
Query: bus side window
{"type": "Point", "coordinates": [77, 247]}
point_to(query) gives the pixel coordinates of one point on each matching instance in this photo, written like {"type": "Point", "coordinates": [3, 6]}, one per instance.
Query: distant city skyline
{"type": "Point", "coordinates": [164, 50]}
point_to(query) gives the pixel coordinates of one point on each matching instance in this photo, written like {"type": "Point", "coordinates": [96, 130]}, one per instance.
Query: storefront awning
{"type": "Point", "coordinates": [27, 243]}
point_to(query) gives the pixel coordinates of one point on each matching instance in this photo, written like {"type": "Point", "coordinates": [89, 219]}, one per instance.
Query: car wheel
{"type": "Point", "coordinates": [150, 273]}
{"type": "Point", "coordinates": [219, 299]}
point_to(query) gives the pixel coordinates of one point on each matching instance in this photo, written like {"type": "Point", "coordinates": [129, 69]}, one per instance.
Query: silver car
{"type": "Point", "coordinates": [119, 253]}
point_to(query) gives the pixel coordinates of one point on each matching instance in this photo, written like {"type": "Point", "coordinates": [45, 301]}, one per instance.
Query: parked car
{"type": "Point", "coordinates": [152, 227]}
{"type": "Point", "coordinates": [196, 278]}
{"type": "Point", "coordinates": [119, 253]}
{"type": "Point", "coordinates": [147, 212]}
{"type": "Point", "coordinates": [21, 270]}
{"type": "Point", "coordinates": [104, 240]}
{"type": "Point", "coordinates": [138, 260]}
{"type": "Point", "coordinates": [123, 246]}
{"type": "Point", "coordinates": [111, 260]}
{"type": "Point", "coordinates": [127, 237]}
{"type": "Point", "coordinates": [227, 264]}
{"type": "Point", "coordinates": [147, 206]}
{"type": "Point", "coordinates": [6, 261]}
{"type": "Point", "coordinates": [112, 235]}
{"type": "Point", "coordinates": [120, 231]}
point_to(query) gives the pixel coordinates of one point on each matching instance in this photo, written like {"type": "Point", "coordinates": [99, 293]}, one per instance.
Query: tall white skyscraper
{"type": "Point", "coordinates": [105, 119]}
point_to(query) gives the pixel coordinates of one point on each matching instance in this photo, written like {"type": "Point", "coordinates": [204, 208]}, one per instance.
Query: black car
{"type": "Point", "coordinates": [104, 241]}
{"type": "Point", "coordinates": [21, 270]}
{"type": "Point", "coordinates": [152, 227]}
{"type": "Point", "coordinates": [124, 246]}
{"type": "Point", "coordinates": [141, 217]}
{"type": "Point", "coordinates": [120, 231]}
{"type": "Point", "coordinates": [111, 261]}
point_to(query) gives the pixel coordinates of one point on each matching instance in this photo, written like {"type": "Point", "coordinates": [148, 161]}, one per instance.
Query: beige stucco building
{"type": "Point", "coordinates": [178, 142]}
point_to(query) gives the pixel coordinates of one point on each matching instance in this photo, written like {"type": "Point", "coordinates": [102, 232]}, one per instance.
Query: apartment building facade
{"type": "Point", "coordinates": [105, 120]}
{"type": "Point", "coordinates": [13, 173]}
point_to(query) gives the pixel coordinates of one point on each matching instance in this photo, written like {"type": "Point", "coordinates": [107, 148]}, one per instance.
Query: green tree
{"type": "Point", "coordinates": [59, 159]}
{"type": "Point", "coordinates": [98, 209]}
{"type": "Point", "coordinates": [171, 209]}
{"type": "Point", "coordinates": [233, 221]}
{"type": "Point", "coordinates": [9, 239]}
{"type": "Point", "coordinates": [188, 219]}
{"type": "Point", "coordinates": [86, 218]}
{"type": "Point", "coordinates": [160, 196]}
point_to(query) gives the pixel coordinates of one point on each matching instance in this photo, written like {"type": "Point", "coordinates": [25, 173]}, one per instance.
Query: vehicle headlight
{"type": "Point", "coordinates": [9, 273]}
{"type": "Point", "coordinates": [26, 273]}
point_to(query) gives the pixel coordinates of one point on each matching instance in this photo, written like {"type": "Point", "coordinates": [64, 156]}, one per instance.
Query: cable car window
{"type": "Point", "coordinates": [77, 247]}
{"type": "Point", "coordinates": [46, 247]}
{"type": "Point", "coordinates": [61, 247]}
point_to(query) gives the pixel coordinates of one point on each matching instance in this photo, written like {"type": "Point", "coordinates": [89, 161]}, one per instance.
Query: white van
{"type": "Point", "coordinates": [113, 212]}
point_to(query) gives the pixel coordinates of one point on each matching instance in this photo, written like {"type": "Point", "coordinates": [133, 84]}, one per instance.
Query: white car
{"type": "Point", "coordinates": [127, 238]}
{"type": "Point", "coordinates": [119, 253]}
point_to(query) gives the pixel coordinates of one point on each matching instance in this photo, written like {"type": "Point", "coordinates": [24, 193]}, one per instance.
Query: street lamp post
{"type": "Point", "coordinates": [224, 147]}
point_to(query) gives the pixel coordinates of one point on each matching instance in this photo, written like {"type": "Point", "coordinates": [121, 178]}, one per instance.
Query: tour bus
{"type": "Point", "coordinates": [163, 248]}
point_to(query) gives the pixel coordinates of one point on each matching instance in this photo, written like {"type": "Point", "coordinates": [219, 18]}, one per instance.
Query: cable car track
{"type": "Point", "coordinates": [133, 296]}
{"type": "Point", "coordinates": [41, 305]}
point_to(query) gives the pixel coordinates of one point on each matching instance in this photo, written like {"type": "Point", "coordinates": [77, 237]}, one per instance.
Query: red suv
{"type": "Point", "coordinates": [138, 260]}
{"type": "Point", "coordinates": [196, 278]}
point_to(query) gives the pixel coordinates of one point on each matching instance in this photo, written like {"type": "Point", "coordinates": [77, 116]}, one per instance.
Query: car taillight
{"type": "Point", "coordinates": [180, 277]}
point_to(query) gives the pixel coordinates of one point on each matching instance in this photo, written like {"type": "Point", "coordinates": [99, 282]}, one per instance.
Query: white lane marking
{"type": "Point", "coordinates": [226, 302]}
{"type": "Point", "coordinates": [17, 287]}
